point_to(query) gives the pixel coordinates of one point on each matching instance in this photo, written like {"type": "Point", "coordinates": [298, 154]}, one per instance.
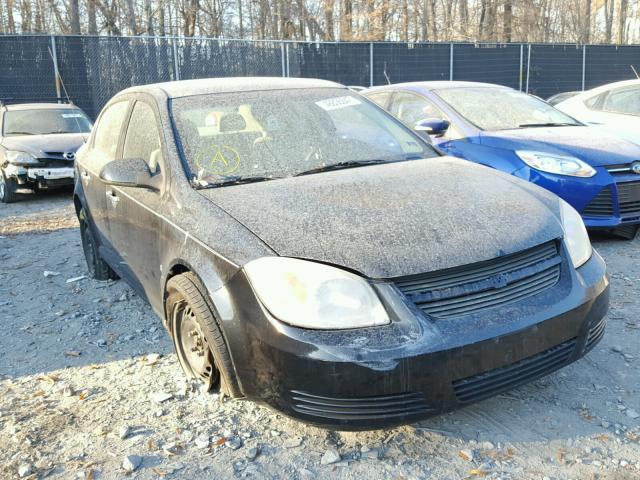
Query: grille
{"type": "Point", "coordinates": [595, 334]}
{"type": "Point", "coordinates": [601, 205]}
{"type": "Point", "coordinates": [629, 198]}
{"type": "Point", "coordinates": [491, 383]}
{"type": "Point", "coordinates": [56, 163]}
{"type": "Point", "coordinates": [619, 169]}
{"type": "Point", "coordinates": [363, 408]}
{"type": "Point", "coordinates": [484, 285]}
{"type": "Point", "coordinates": [58, 155]}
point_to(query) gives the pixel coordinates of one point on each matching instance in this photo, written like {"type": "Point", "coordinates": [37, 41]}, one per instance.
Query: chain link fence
{"type": "Point", "coordinates": [93, 69]}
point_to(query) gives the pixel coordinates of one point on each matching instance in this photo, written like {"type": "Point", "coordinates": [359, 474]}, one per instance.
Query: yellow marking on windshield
{"type": "Point", "coordinates": [224, 161]}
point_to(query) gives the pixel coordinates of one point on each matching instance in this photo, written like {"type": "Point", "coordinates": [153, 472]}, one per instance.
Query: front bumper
{"type": "Point", "coordinates": [604, 201]}
{"type": "Point", "coordinates": [41, 176]}
{"type": "Point", "coordinates": [416, 367]}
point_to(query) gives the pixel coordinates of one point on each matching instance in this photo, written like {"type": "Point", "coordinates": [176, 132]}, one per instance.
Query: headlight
{"type": "Point", "coordinates": [575, 234]}
{"type": "Point", "coordinates": [20, 158]}
{"type": "Point", "coordinates": [313, 295]}
{"type": "Point", "coordinates": [559, 164]}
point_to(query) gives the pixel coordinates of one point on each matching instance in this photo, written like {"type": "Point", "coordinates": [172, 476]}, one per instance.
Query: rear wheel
{"type": "Point", "coordinates": [8, 187]}
{"type": "Point", "coordinates": [197, 338]}
{"type": "Point", "coordinates": [98, 268]}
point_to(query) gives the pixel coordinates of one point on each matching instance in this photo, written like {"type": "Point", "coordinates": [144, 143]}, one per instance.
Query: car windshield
{"type": "Point", "coordinates": [269, 134]}
{"type": "Point", "coordinates": [45, 121]}
{"type": "Point", "coordinates": [502, 109]}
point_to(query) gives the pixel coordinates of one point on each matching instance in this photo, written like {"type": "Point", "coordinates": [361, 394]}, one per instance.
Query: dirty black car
{"type": "Point", "coordinates": [38, 143]}
{"type": "Point", "coordinates": [308, 251]}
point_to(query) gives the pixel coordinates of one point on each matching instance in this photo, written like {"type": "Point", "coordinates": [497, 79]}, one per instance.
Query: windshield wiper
{"type": "Point", "coordinates": [549, 124]}
{"type": "Point", "coordinates": [234, 180]}
{"type": "Point", "coordinates": [19, 133]}
{"type": "Point", "coordinates": [341, 165]}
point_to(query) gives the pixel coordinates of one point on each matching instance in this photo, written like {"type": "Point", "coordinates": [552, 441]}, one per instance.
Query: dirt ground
{"type": "Point", "coordinates": [90, 388]}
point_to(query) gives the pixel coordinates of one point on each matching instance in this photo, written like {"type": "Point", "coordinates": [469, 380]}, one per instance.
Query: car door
{"type": "Point", "coordinates": [101, 150]}
{"type": "Point", "coordinates": [411, 108]}
{"type": "Point", "coordinates": [134, 217]}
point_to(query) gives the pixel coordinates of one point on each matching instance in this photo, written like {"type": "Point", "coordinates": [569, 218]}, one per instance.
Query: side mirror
{"type": "Point", "coordinates": [130, 172]}
{"type": "Point", "coordinates": [432, 126]}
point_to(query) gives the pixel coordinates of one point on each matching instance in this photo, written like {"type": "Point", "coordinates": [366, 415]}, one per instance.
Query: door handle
{"type": "Point", "coordinates": [111, 195]}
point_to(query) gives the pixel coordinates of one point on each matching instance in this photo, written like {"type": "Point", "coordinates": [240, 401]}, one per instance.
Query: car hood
{"type": "Point", "coordinates": [396, 219]}
{"type": "Point", "coordinates": [589, 144]}
{"type": "Point", "coordinates": [41, 145]}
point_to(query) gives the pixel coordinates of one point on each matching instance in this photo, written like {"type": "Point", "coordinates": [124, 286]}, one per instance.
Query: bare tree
{"type": "Point", "coordinates": [622, 21]}
{"type": "Point", "coordinates": [507, 21]}
{"type": "Point", "coordinates": [328, 19]}
{"type": "Point", "coordinates": [131, 17]}
{"type": "Point", "coordinates": [109, 12]}
{"type": "Point", "coordinates": [92, 26]}
{"type": "Point", "coordinates": [586, 28]}
{"type": "Point", "coordinates": [346, 20]}
{"type": "Point", "coordinates": [367, 20]}
{"type": "Point", "coordinates": [189, 11]}
{"type": "Point", "coordinates": [609, 5]}
{"type": "Point", "coordinates": [74, 16]}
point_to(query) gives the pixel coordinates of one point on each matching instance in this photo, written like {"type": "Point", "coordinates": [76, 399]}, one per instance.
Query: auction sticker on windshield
{"type": "Point", "coordinates": [335, 103]}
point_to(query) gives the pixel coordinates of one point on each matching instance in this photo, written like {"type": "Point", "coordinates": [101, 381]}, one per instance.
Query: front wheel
{"type": "Point", "coordinates": [8, 187]}
{"type": "Point", "coordinates": [197, 338]}
{"type": "Point", "coordinates": [626, 232]}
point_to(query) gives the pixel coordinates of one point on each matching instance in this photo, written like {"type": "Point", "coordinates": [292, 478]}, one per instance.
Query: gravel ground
{"type": "Point", "coordinates": [90, 388]}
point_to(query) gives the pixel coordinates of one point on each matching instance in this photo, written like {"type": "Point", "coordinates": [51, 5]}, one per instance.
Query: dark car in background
{"type": "Point", "coordinates": [526, 137]}
{"type": "Point", "coordinates": [560, 97]}
{"type": "Point", "coordinates": [307, 250]}
{"type": "Point", "coordinates": [38, 143]}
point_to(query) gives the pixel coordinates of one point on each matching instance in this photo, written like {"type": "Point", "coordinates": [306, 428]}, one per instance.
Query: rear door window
{"type": "Point", "coordinates": [623, 100]}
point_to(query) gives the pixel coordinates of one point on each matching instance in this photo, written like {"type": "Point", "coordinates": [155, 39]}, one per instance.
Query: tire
{"type": "Point", "coordinates": [627, 232]}
{"type": "Point", "coordinates": [197, 338]}
{"type": "Point", "coordinates": [8, 187]}
{"type": "Point", "coordinates": [98, 268]}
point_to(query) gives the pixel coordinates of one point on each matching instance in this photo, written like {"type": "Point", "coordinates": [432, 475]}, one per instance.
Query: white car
{"type": "Point", "coordinates": [614, 107]}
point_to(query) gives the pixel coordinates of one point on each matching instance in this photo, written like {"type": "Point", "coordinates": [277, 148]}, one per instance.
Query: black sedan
{"type": "Point", "coordinates": [307, 250]}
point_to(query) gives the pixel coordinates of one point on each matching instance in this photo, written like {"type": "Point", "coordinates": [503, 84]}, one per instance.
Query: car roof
{"type": "Point", "coordinates": [437, 85]}
{"type": "Point", "coordinates": [582, 96]}
{"type": "Point", "coordinates": [185, 88]}
{"type": "Point", "coordinates": [38, 106]}
{"type": "Point", "coordinates": [608, 86]}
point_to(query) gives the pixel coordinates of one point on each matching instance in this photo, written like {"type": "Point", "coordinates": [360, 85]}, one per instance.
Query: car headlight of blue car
{"type": "Point", "coordinates": [556, 163]}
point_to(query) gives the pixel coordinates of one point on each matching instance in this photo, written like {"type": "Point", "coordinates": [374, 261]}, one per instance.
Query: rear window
{"type": "Point", "coordinates": [45, 122]}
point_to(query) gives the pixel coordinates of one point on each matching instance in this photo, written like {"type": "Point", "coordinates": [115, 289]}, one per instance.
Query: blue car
{"type": "Point", "coordinates": [502, 128]}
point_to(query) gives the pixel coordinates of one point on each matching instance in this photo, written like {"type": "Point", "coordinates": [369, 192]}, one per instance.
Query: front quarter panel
{"type": "Point", "coordinates": [499, 158]}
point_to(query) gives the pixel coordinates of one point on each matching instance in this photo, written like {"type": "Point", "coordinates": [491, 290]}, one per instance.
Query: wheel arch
{"type": "Point", "coordinates": [179, 267]}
